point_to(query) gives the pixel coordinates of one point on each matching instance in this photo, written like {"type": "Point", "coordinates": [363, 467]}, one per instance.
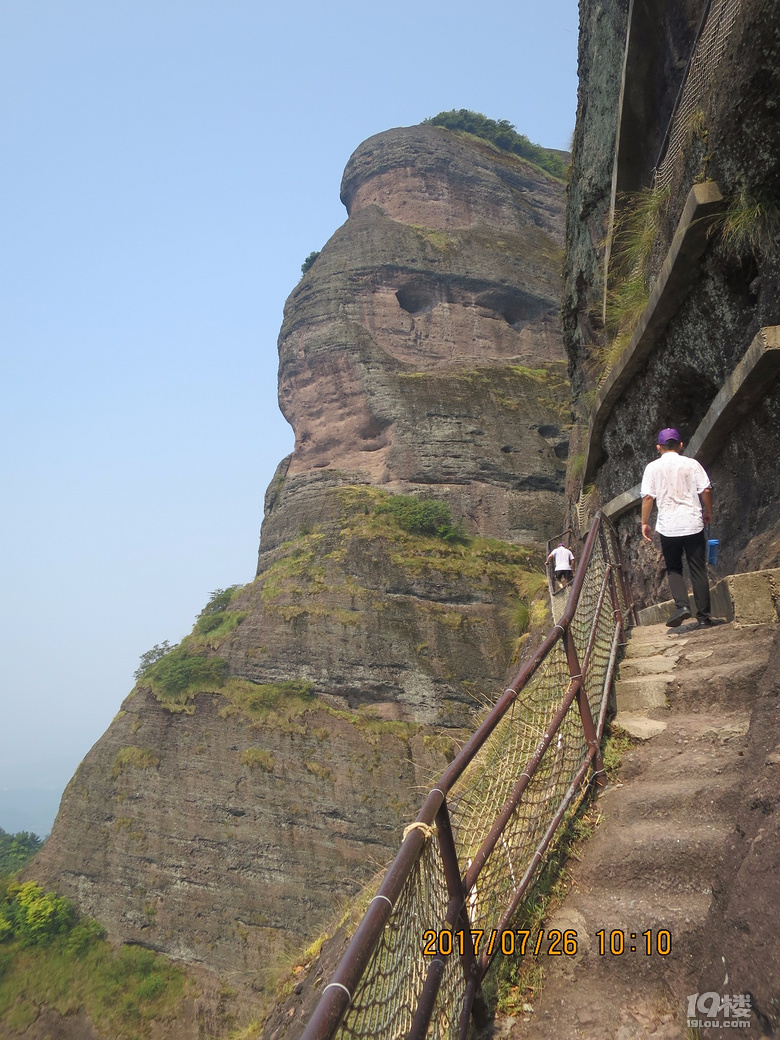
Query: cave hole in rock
{"type": "Point", "coordinates": [740, 273]}
{"type": "Point", "coordinates": [513, 305]}
{"type": "Point", "coordinates": [420, 299]}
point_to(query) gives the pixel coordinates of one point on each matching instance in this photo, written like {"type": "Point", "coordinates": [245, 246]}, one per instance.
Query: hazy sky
{"type": "Point", "coordinates": [167, 166]}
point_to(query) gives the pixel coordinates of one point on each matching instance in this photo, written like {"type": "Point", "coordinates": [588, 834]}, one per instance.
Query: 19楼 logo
{"type": "Point", "coordinates": [720, 1012]}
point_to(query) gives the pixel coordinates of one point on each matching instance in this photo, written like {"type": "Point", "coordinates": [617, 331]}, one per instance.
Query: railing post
{"type": "Point", "coordinates": [619, 570]}
{"type": "Point", "coordinates": [584, 705]}
{"type": "Point", "coordinates": [457, 918]}
{"type": "Point", "coordinates": [614, 577]}
{"type": "Point", "coordinates": [474, 1002]}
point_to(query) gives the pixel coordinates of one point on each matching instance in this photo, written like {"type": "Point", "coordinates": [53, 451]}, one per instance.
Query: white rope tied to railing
{"type": "Point", "coordinates": [428, 831]}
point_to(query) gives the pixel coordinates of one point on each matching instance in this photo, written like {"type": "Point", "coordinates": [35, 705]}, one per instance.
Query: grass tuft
{"type": "Point", "coordinates": [635, 229]}
{"type": "Point", "coordinates": [614, 746]}
{"type": "Point", "coordinates": [257, 758]}
{"type": "Point", "coordinates": [135, 758]}
{"type": "Point", "coordinates": [750, 224]}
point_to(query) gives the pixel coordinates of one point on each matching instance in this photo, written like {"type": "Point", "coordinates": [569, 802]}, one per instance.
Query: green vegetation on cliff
{"type": "Point", "coordinates": [176, 673]}
{"type": "Point", "coordinates": [425, 516]}
{"type": "Point", "coordinates": [325, 576]}
{"type": "Point", "coordinates": [751, 224]}
{"type": "Point", "coordinates": [415, 539]}
{"type": "Point", "coordinates": [16, 850]}
{"type": "Point", "coordinates": [181, 670]}
{"type": "Point", "coordinates": [52, 957]}
{"type": "Point", "coordinates": [634, 236]}
{"type": "Point", "coordinates": [309, 261]}
{"type": "Point", "coordinates": [503, 135]}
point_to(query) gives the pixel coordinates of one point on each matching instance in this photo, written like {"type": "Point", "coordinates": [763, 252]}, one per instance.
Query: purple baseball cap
{"type": "Point", "coordinates": [669, 434]}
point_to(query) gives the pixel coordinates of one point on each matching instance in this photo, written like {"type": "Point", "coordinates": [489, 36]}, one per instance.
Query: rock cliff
{"type": "Point", "coordinates": [723, 134]}
{"type": "Point", "coordinates": [262, 771]}
{"type": "Point", "coordinates": [418, 351]}
{"type": "Point", "coordinates": [727, 135]}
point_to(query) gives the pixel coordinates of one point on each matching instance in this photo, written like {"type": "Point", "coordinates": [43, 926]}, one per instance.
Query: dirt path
{"type": "Point", "coordinates": [648, 872]}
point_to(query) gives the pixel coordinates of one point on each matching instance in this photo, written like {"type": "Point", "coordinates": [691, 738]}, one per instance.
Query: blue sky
{"type": "Point", "coordinates": [167, 167]}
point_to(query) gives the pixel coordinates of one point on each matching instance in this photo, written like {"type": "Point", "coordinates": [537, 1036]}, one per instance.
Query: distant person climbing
{"type": "Point", "coordinates": [681, 489]}
{"type": "Point", "coordinates": [564, 564]}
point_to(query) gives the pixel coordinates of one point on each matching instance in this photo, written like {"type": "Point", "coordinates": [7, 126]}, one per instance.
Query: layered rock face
{"type": "Point", "coordinates": [221, 823]}
{"type": "Point", "coordinates": [732, 137]}
{"type": "Point", "coordinates": [418, 351]}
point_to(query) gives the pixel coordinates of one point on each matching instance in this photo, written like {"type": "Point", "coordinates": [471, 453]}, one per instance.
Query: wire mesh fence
{"type": "Point", "coordinates": [700, 77]}
{"type": "Point", "coordinates": [415, 965]}
{"type": "Point", "coordinates": [385, 1004]}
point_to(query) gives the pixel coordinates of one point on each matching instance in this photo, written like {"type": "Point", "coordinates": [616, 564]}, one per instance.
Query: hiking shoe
{"type": "Point", "coordinates": [678, 617]}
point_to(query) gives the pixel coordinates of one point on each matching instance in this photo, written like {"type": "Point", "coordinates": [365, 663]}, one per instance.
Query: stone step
{"type": "Point", "coordinates": [641, 852]}
{"type": "Point", "coordinates": [638, 725]}
{"type": "Point", "coordinates": [634, 908]}
{"type": "Point", "coordinates": [634, 695]}
{"type": "Point", "coordinates": [640, 667]}
{"type": "Point", "coordinates": [716, 687]}
{"type": "Point", "coordinates": [702, 797]}
{"type": "Point", "coordinates": [636, 647]}
{"type": "Point", "coordinates": [749, 599]}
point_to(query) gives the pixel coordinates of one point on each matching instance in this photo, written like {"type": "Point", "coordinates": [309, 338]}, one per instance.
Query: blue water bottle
{"type": "Point", "coordinates": [712, 549]}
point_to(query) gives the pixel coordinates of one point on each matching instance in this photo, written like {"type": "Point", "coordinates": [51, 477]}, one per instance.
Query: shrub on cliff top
{"type": "Point", "coordinates": [151, 657]}
{"type": "Point", "coordinates": [218, 601]}
{"type": "Point", "coordinates": [176, 667]}
{"type": "Point", "coordinates": [503, 135]}
{"type": "Point", "coordinates": [309, 261]}
{"type": "Point", "coordinates": [215, 614]}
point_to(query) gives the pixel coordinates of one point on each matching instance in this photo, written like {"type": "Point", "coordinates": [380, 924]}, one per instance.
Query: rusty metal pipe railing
{"type": "Point", "coordinates": [485, 960]}
{"type": "Point", "coordinates": [339, 993]}
{"type": "Point", "coordinates": [456, 911]}
{"type": "Point", "coordinates": [526, 776]}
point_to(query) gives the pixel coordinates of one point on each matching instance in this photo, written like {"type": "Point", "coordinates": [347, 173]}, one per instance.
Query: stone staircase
{"type": "Point", "coordinates": [685, 695]}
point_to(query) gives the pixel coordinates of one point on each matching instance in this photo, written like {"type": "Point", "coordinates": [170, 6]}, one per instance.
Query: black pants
{"type": "Point", "coordinates": [695, 548]}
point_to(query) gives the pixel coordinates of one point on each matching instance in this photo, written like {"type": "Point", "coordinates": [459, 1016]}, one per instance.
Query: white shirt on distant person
{"type": "Point", "coordinates": [563, 557]}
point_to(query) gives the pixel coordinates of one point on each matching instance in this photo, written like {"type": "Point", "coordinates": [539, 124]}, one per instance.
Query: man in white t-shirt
{"type": "Point", "coordinates": [564, 564]}
{"type": "Point", "coordinates": [681, 489]}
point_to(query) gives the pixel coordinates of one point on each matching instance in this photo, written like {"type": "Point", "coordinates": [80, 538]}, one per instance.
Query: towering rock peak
{"type": "Point", "coordinates": [424, 175]}
{"type": "Point", "coordinates": [422, 350]}
{"type": "Point", "coordinates": [236, 794]}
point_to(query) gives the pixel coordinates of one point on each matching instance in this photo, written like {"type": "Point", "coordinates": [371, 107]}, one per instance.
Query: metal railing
{"type": "Point", "coordinates": [470, 858]}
